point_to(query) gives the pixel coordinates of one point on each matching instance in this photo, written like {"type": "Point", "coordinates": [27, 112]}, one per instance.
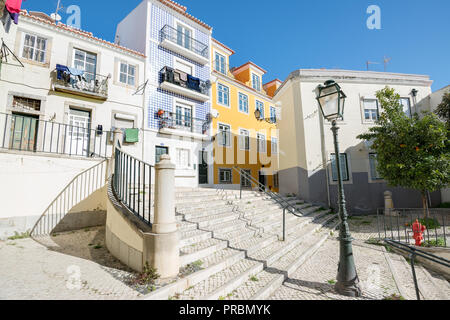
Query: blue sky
{"type": "Point", "coordinates": [285, 35]}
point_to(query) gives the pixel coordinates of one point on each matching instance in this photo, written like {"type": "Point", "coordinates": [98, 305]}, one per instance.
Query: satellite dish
{"type": "Point", "coordinates": [55, 17]}
{"type": "Point", "coordinates": [215, 113]}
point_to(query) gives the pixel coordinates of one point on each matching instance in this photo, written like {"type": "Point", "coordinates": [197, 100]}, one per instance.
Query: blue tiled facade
{"type": "Point", "coordinates": [159, 58]}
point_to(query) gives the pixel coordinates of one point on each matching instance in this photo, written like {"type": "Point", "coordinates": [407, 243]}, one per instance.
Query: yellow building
{"type": "Point", "coordinates": [243, 138]}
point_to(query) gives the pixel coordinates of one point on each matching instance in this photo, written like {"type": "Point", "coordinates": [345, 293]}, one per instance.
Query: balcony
{"type": "Point", "coordinates": [184, 125]}
{"type": "Point", "coordinates": [185, 45]}
{"type": "Point", "coordinates": [80, 83]}
{"type": "Point", "coordinates": [184, 84]}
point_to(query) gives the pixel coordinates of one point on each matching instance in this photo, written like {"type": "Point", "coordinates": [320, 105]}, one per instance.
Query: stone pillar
{"type": "Point", "coordinates": [388, 204]}
{"type": "Point", "coordinates": [162, 251]}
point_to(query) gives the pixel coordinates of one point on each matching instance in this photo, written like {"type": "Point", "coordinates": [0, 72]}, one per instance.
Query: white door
{"type": "Point", "coordinates": [77, 142]}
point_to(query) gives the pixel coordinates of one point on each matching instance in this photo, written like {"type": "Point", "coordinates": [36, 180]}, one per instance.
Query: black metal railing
{"type": "Point", "coordinates": [88, 83]}
{"type": "Point", "coordinates": [285, 205]}
{"type": "Point", "coordinates": [185, 80]}
{"type": "Point", "coordinates": [184, 123]}
{"type": "Point", "coordinates": [397, 224]}
{"type": "Point", "coordinates": [184, 40]}
{"type": "Point", "coordinates": [28, 133]}
{"type": "Point", "coordinates": [132, 185]}
{"type": "Point", "coordinates": [413, 253]}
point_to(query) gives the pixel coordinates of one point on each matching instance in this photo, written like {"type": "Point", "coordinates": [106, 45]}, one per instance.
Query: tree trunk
{"type": "Point", "coordinates": [426, 213]}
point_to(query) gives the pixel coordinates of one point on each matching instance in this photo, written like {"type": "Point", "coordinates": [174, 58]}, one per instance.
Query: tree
{"type": "Point", "coordinates": [411, 152]}
{"type": "Point", "coordinates": [443, 109]}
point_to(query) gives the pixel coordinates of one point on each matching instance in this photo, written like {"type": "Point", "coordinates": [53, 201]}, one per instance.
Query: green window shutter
{"type": "Point", "coordinates": [131, 135]}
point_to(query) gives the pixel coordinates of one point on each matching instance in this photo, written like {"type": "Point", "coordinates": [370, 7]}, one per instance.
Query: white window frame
{"type": "Point", "coordinates": [273, 114]}
{"type": "Point", "coordinates": [263, 113]}
{"type": "Point", "coordinates": [410, 107]}
{"type": "Point", "coordinates": [258, 136]}
{"type": "Point", "coordinates": [371, 120]}
{"type": "Point", "coordinates": [256, 84]}
{"type": "Point", "coordinates": [243, 143]}
{"type": "Point", "coordinates": [248, 183]}
{"type": "Point", "coordinates": [22, 47]}
{"type": "Point", "coordinates": [272, 140]}
{"type": "Point", "coordinates": [218, 95]}
{"type": "Point", "coordinates": [239, 103]}
{"type": "Point", "coordinates": [216, 53]}
{"type": "Point", "coordinates": [184, 25]}
{"type": "Point", "coordinates": [127, 74]}
{"type": "Point", "coordinates": [229, 143]}
{"type": "Point", "coordinates": [230, 175]}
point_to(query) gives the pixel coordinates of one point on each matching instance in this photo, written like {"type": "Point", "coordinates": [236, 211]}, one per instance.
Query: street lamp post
{"type": "Point", "coordinates": [331, 100]}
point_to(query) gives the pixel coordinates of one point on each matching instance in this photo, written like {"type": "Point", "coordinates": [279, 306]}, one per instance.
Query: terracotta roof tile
{"type": "Point", "coordinates": [181, 9]}
{"type": "Point", "coordinates": [80, 32]}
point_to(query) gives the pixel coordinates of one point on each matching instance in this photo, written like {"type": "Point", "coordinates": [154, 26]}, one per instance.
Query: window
{"type": "Point", "coordinates": [245, 182]}
{"type": "Point", "coordinates": [223, 93]}
{"type": "Point", "coordinates": [243, 103]}
{"type": "Point", "coordinates": [373, 167]}
{"type": "Point", "coordinates": [244, 139]}
{"type": "Point", "coordinates": [184, 67]}
{"type": "Point", "coordinates": [87, 62]}
{"type": "Point", "coordinates": [406, 103]}
{"type": "Point", "coordinates": [159, 152]}
{"type": "Point", "coordinates": [183, 116]}
{"type": "Point", "coordinates": [184, 36]}
{"type": "Point", "coordinates": [273, 114]}
{"type": "Point", "coordinates": [183, 159]}
{"type": "Point", "coordinates": [256, 82]}
{"type": "Point", "coordinates": [224, 135]}
{"type": "Point", "coordinates": [274, 146]}
{"type": "Point", "coordinates": [261, 143]}
{"type": "Point", "coordinates": [127, 74]}
{"type": "Point", "coordinates": [34, 48]}
{"type": "Point", "coordinates": [260, 107]}
{"type": "Point", "coordinates": [27, 104]}
{"type": "Point", "coordinates": [370, 110]}
{"type": "Point", "coordinates": [344, 167]}
{"type": "Point", "coordinates": [225, 176]}
{"type": "Point", "coordinates": [220, 63]}
{"type": "Point", "coordinates": [276, 181]}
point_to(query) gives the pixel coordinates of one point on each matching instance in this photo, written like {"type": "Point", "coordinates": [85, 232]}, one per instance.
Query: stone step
{"type": "Point", "coordinates": [195, 236]}
{"type": "Point", "coordinates": [228, 279]}
{"type": "Point", "coordinates": [270, 279]}
{"type": "Point", "coordinates": [200, 250]}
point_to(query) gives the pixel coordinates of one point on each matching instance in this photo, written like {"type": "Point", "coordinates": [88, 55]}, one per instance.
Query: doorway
{"type": "Point", "coordinates": [24, 130]}
{"type": "Point", "coordinates": [262, 180]}
{"type": "Point", "coordinates": [203, 168]}
{"type": "Point", "coordinates": [79, 130]}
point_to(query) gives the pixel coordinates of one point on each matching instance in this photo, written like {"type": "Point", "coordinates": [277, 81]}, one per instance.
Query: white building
{"type": "Point", "coordinates": [54, 125]}
{"type": "Point", "coordinates": [306, 142]}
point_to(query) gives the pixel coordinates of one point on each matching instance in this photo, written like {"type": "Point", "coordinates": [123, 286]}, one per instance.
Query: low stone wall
{"type": "Point", "coordinates": [436, 267]}
{"type": "Point", "coordinates": [124, 233]}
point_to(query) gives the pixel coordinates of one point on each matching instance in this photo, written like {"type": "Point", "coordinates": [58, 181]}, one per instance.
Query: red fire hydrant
{"type": "Point", "coordinates": [418, 230]}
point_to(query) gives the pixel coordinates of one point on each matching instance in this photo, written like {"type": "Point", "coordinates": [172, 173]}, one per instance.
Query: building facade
{"type": "Point", "coordinates": [307, 165]}
{"type": "Point", "coordinates": [62, 90]}
{"type": "Point", "coordinates": [178, 88]}
{"type": "Point", "coordinates": [242, 138]}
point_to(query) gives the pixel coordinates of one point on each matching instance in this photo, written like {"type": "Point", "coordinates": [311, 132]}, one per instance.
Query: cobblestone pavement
{"type": "Point", "coordinates": [315, 279]}
{"type": "Point", "coordinates": [70, 266]}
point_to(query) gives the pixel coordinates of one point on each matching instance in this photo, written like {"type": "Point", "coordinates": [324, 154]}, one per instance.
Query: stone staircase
{"type": "Point", "coordinates": [232, 248]}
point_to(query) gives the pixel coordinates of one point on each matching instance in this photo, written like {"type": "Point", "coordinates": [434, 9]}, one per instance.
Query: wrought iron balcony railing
{"type": "Point", "coordinates": [185, 123]}
{"type": "Point", "coordinates": [185, 80]}
{"type": "Point", "coordinates": [85, 84]}
{"type": "Point", "coordinates": [184, 40]}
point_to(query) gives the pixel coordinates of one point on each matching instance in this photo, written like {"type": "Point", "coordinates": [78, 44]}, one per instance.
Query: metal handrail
{"type": "Point", "coordinates": [66, 188]}
{"type": "Point", "coordinates": [171, 34]}
{"type": "Point", "coordinates": [420, 253]}
{"type": "Point", "coordinates": [276, 197]}
{"type": "Point", "coordinates": [130, 171]}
